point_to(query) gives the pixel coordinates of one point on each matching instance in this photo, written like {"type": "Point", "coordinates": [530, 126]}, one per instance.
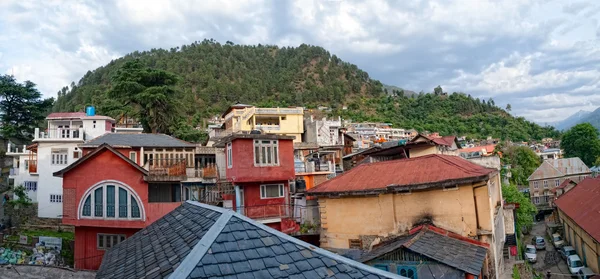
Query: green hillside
{"type": "Point", "coordinates": [210, 76]}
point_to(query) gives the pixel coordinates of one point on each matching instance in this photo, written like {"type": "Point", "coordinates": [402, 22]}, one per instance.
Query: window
{"type": "Point", "coordinates": [536, 185]}
{"type": "Point", "coordinates": [546, 184]}
{"type": "Point", "coordinates": [229, 156]}
{"type": "Point", "coordinates": [407, 271]}
{"type": "Point", "coordinates": [283, 118]}
{"type": "Point", "coordinates": [268, 191]}
{"type": "Point", "coordinates": [384, 267]}
{"type": "Point", "coordinates": [110, 201]}
{"type": "Point", "coordinates": [64, 131]}
{"type": "Point", "coordinates": [133, 156]}
{"type": "Point", "coordinates": [536, 200]}
{"type": "Point", "coordinates": [30, 185]}
{"type": "Point", "coordinates": [26, 164]}
{"type": "Point", "coordinates": [107, 241]}
{"type": "Point", "coordinates": [59, 156]}
{"type": "Point", "coordinates": [55, 198]}
{"type": "Point", "coordinates": [266, 153]}
{"type": "Point", "coordinates": [556, 183]}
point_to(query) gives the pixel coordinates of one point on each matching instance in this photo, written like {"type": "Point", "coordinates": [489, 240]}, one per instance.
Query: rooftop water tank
{"type": "Point", "coordinates": [90, 111]}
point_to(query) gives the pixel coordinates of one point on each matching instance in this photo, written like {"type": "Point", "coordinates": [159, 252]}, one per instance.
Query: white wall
{"type": "Point", "coordinates": [94, 130]}
{"type": "Point", "coordinates": [48, 184]}
{"type": "Point", "coordinates": [24, 176]}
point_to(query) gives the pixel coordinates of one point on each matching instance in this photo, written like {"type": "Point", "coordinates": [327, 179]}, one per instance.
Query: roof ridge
{"type": "Point", "coordinates": [299, 242]}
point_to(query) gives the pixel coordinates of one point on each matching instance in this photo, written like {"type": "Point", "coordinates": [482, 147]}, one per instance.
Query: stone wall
{"type": "Point", "coordinates": [35, 272]}
{"type": "Point", "coordinates": [25, 217]}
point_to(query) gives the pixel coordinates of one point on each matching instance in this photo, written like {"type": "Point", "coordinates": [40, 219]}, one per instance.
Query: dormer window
{"type": "Point", "coordinates": [266, 153]}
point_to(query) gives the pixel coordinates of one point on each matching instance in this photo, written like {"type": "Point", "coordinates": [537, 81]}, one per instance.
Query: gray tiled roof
{"type": "Point", "coordinates": [157, 250]}
{"type": "Point", "coordinates": [137, 140]}
{"type": "Point", "coordinates": [450, 251]}
{"type": "Point", "coordinates": [233, 246]}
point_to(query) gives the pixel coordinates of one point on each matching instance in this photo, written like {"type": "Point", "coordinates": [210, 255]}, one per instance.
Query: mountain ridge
{"type": "Point", "coordinates": [213, 76]}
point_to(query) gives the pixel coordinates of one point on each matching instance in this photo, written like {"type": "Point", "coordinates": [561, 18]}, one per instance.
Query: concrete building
{"type": "Point", "coordinates": [376, 201]}
{"type": "Point", "coordinates": [579, 212]}
{"type": "Point", "coordinates": [19, 173]}
{"type": "Point", "coordinates": [280, 121]}
{"type": "Point", "coordinates": [550, 174]}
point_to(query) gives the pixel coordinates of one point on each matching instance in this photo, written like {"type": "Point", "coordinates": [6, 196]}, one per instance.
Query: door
{"type": "Point", "coordinates": [243, 209]}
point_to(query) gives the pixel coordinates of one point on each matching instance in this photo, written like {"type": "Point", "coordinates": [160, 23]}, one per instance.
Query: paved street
{"type": "Point", "coordinates": [549, 259]}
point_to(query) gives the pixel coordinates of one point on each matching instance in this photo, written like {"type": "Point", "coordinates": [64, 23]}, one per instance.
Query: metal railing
{"type": "Point", "coordinates": [310, 167]}
{"type": "Point", "coordinates": [266, 211]}
{"type": "Point", "coordinates": [167, 167]}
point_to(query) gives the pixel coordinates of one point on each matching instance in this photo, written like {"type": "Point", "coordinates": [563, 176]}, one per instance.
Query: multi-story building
{"type": "Point", "coordinates": [374, 202]}
{"type": "Point", "coordinates": [323, 132]}
{"type": "Point", "coordinates": [550, 174]}
{"type": "Point", "coordinates": [261, 169]}
{"type": "Point", "coordinates": [19, 173]}
{"type": "Point", "coordinates": [278, 121]}
{"type": "Point", "coordinates": [56, 147]}
{"type": "Point", "coordinates": [123, 183]}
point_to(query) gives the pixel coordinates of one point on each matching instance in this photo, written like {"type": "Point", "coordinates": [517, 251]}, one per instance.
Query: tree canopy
{"type": "Point", "coordinates": [526, 209]}
{"type": "Point", "coordinates": [523, 162]}
{"type": "Point", "coordinates": [211, 76]}
{"type": "Point", "coordinates": [582, 141]}
{"type": "Point", "coordinates": [22, 108]}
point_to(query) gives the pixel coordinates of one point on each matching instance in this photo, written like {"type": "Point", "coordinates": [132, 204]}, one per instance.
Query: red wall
{"type": "Point", "coordinates": [243, 169]}
{"type": "Point", "coordinates": [87, 256]}
{"type": "Point", "coordinates": [107, 166]}
{"type": "Point", "coordinates": [124, 151]}
{"type": "Point", "coordinates": [257, 208]}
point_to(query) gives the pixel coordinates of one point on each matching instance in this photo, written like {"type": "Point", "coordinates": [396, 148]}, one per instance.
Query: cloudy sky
{"type": "Point", "coordinates": [541, 56]}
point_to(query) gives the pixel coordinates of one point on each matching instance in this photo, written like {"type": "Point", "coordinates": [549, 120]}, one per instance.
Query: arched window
{"type": "Point", "coordinates": [111, 200]}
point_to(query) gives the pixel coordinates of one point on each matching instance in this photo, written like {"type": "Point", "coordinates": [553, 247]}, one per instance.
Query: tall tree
{"type": "Point", "coordinates": [508, 107]}
{"type": "Point", "coordinates": [523, 162]}
{"type": "Point", "coordinates": [582, 141]}
{"type": "Point", "coordinates": [150, 93]}
{"type": "Point", "coordinates": [22, 108]}
{"type": "Point", "coordinates": [438, 90]}
{"type": "Point", "coordinates": [526, 209]}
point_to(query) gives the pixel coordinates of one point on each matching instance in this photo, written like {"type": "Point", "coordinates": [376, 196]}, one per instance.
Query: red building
{"type": "Point", "coordinates": [119, 186]}
{"type": "Point", "coordinates": [261, 167]}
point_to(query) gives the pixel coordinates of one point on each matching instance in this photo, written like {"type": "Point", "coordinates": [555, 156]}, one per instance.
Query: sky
{"type": "Point", "coordinates": [540, 56]}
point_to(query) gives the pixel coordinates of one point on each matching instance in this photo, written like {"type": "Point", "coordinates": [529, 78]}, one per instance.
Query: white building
{"type": "Point", "coordinates": [323, 132]}
{"type": "Point", "coordinates": [19, 173]}
{"type": "Point", "coordinates": [55, 148]}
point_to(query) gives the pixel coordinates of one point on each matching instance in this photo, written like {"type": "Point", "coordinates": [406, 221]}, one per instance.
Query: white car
{"type": "Point", "coordinates": [530, 253]}
{"type": "Point", "coordinates": [557, 240]}
{"type": "Point", "coordinates": [575, 264]}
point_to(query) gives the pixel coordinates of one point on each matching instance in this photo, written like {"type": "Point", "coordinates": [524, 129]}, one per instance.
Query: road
{"type": "Point", "coordinates": [549, 259]}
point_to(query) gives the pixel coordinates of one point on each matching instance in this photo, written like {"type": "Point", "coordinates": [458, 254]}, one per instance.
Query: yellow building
{"type": "Point", "coordinates": [377, 201]}
{"type": "Point", "coordinates": [579, 213]}
{"type": "Point", "coordinates": [280, 121]}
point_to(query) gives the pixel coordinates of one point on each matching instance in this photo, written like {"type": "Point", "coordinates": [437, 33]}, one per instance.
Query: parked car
{"type": "Point", "coordinates": [557, 240]}
{"type": "Point", "coordinates": [531, 254]}
{"type": "Point", "coordinates": [567, 251]}
{"type": "Point", "coordinates": [538, 242]}
{"type": "Point", "coordinates": [585, 273]}
{"type": "Point", "coordinates": [574, 263]}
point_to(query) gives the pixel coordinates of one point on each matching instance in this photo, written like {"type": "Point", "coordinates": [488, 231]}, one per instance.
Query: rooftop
{"type": "Point", "coordinates": [437, 244]}
{"type": "Point", "coordinates": [489, 149]}
{"type": "Point", "coordinates": [416, 173]}
{"type": "Point", "coordinates": [582, 206]}
{"type": "Point", "coordinates": [75, 115]}
{"type": "Point", "coordinates": [137, 140]}
{"type": "Point", "coordinates": [200, 241]}
{"type": "Point", "coordinates": [559, 168]}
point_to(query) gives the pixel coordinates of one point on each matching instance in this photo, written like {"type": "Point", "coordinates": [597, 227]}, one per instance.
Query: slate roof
{"type": "Point", "coordinates": [559, 168]}
{"type": "Point", "coordinates": [416, 173]}
{"type": "Point", "coordinates": [138, 140]}
{"type": "Point", "coordinates": [581, 204]}
{"type": "Point", "coordinates": [202, 241]}
{"type": "Point", "coordinates": [459, 254]}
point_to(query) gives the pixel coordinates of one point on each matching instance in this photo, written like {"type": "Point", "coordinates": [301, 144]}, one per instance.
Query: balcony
{"type": "Point", "coordinates": [279, 111]}
{"type": "Point", "coordinates": [314, 167]}
{"type": "Point", "coordinates": [14, 172]}
{"type": "Point", "coordinates": [266, 212]}
{"type": "Point", "coordinates": [266, 127]}
{"type": "Point", "coordinates": [16, 150]}
{"type": "Point", "coordinates": [218, 133]}
{"type": "Point", "coordinates": [208, 172]}
{"type": "Point", "coordinates": [166, 170]}
{"type": "Point", "coordinates": [59, 134]}
{"type": "Point", "coordinates": [32, 167]}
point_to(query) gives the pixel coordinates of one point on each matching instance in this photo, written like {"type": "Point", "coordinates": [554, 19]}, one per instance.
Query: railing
{"type": "Point", "coordinates": [32, 166]}
{"type": "Point", "coordinates": [130, 125]}
{"type": "Point", "coordinates": [209, 171]}
{"type": "Point", "coordinates": [11, 148]}
{"type": "Point", "coordinates": [279, 111]}
{"type": "Point", "coordinates": [59, 134]}
{"type": "Point", "coordinates": [267, 211]}
{"type": "Point", "coordinates": [268, 127]}
{"type": "Point", "coordinates": [218, 133]}
{"type": "Point", "coordinates": [14, 171]}
{"type": "Point", "coordinates": [167, 167]}
{"type": "Point", "coordinates": [310, 167]}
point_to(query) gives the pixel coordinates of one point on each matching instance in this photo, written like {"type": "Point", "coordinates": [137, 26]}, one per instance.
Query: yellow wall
{"type": "Point", "coordinates": [390, 214]}
{"type": "Point", "coordinates": [422, 151]}
{"type": "Point", "coordinates": [290, 124]}
{"type": "Point", "coordinates": [579, 239]}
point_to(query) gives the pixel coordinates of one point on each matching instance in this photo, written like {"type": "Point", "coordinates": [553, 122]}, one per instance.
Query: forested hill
{"type": "Point", "coordinates": [211, 76]}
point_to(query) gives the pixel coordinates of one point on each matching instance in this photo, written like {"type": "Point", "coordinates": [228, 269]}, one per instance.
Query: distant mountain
{"type": "Point", "coordinates": [578, 117]}
{"type": "Point", "coordinates": [592, 118]}
{"type": "Point", "coordinates": [391, 88]}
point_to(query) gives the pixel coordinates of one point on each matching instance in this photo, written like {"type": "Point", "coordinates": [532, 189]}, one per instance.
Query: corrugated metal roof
{"type": "Point", "coordinates": [428, 169]}
{"type": "Point", "coordinates": [488, 149]}
{"type": "Point", "coordinates": [581, 204]}
{"type": "Point", "coordinates": [65, 115]}
{"type": "Point", "coordinates": [138, 140]}
{"type": "Point", "coordinates": [559, 168]}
